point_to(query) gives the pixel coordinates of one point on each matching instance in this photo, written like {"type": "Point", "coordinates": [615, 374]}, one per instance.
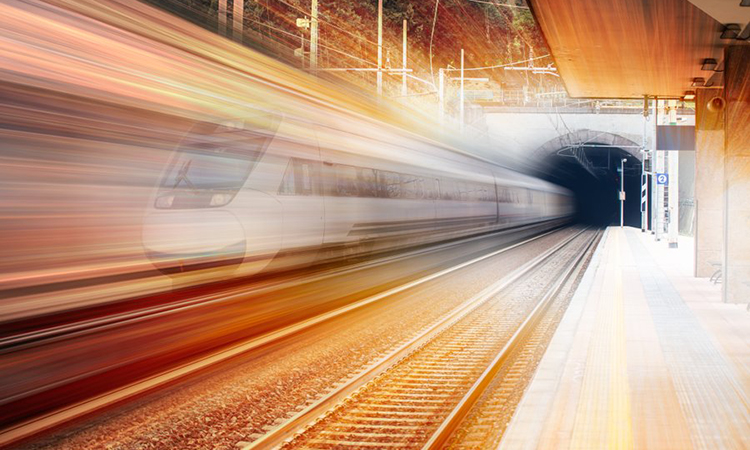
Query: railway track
{"type": "Point", "coordinates": [418, 395]}
{"type": "Point", "coordinates": [27, 428]}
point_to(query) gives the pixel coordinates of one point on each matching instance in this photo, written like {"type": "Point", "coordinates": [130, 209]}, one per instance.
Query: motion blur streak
{"type": "Point", "coordinates": [95, 96]}
{"type": "Point", "coordinates": [136, 145]}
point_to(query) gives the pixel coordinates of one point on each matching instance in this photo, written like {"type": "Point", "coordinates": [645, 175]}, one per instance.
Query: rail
{"type": "Point", "coordinates": [303, 420]}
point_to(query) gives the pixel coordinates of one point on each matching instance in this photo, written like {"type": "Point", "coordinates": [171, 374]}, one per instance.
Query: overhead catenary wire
{"type": "Point", "coordinates": [497, 66]}
{"type": "Point", "coordinates": [507, 5]}
{"type": "Point", "coordinates": [319, 44]}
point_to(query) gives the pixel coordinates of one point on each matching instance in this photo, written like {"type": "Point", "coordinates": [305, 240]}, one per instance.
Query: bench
{"type": "Point", "coordinates": [716, 277]}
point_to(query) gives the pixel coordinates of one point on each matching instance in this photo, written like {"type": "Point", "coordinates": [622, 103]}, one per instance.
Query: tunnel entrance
{"type": "Point", "coordinates": [592, 172]}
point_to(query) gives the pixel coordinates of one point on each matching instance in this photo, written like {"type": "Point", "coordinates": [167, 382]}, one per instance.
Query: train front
{"type": "Point", "coordinates": [198, 217]}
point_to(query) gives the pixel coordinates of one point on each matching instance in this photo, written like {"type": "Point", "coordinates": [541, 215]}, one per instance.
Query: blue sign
{"type": "Point", "coordinates": [662, 178]}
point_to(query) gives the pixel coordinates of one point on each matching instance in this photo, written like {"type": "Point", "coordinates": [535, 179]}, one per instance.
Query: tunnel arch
{"type": "Point", "coordinates": [587, 162]}
{"type": "Point", "coordinates": [585, 136]}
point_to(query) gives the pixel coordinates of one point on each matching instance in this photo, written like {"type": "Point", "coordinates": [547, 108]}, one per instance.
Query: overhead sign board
{"type": "Point", "coordinates": [662, 178]}
{"type": "Point", "coordinates": [675, 137]}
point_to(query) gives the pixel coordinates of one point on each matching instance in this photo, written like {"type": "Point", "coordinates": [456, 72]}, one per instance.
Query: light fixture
{"type": "Point", "coordinates": [730, 31]}
{"type": "Point", "coordinates": [698, 81]}
{"type": "Point", "coordinates": [689, 95]}
{"type": "Point", "coordinates": [744, 2]}
{"type": "Point", "coordinates": [708, 64]}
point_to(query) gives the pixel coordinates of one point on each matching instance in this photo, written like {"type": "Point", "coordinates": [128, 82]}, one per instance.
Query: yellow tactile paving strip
{"type": "Point", "coordinates": [603, 415]}
{"type": "Point", "coordinates": [632, 367]}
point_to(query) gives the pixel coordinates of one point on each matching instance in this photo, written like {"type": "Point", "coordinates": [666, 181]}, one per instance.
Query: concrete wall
{"type": "Point", "coordinates": [737, 174]}
{"type": "Point", "coordinates": [526, 132]}
{"type": "Point", "coordinates": [709, 183]}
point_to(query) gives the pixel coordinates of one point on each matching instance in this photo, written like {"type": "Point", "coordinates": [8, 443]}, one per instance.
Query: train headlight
{"type": "Point", "coordinates": [165, 201]}
{"type": "Point", "coordinates": [220, 199]}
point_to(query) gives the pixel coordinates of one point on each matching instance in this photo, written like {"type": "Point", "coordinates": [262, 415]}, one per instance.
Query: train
{"type": "Point", "coordinates": [275, 191]}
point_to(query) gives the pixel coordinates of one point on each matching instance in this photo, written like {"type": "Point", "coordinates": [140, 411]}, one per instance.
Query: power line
{"type": "Point", "coordinates": [499, 4]}
{"type": "Point", "coordinates": [498, 66]}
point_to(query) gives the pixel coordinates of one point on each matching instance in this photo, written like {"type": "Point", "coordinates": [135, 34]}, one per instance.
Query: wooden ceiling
{"type": "Point", "coordinates": [628, 48]}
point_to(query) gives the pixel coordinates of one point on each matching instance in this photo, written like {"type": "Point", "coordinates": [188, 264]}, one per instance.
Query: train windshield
{"type": "Point", "coordinates": [211, 165]}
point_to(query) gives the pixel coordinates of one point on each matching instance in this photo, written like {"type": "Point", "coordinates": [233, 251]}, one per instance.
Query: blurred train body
{"type": "Point", "coordinates": [278, 192]}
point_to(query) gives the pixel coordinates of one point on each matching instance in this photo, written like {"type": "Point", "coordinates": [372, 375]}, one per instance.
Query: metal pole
{"type": "Point", "coordinates": [302, 47]}
{"type": "Point", "coordinates": [644, 174]}
{"type": "Point", "coordinates": [461, 105]}
{"type": "Point", "coordinates": [674, 198]}
{"type": "Point", "coordinates": [222, 17]}
{"type": "Point", "coordinates": [644, 197]}
{"type": "Point", "coordinates": [656, 192]}
{"type": "Point", "coordinates": [380, 47]}
{"type": "Point", "coordinates": [441, 95]}
{"type": "Point", "coordinates": [237, 16]}
{"type": "Point", "coordinates": [403, 64]}
{"type": "Point", "coordinates": [622, 191]}
{"type": "Point", "coordinates": [313, 35]}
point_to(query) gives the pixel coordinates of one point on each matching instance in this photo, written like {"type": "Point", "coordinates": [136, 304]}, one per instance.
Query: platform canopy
{"type": "Point", "coordinates": [632, 48]}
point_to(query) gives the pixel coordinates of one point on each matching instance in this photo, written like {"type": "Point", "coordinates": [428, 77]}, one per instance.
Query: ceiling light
{"type": "Point", "coordinates": [730, 31]}
{"type": "Point", "coordinates": [709, 63]}
{"type": "Point", "coordinates": [689, 95]}
{"type": "Point", "coordinates": [698, 81]}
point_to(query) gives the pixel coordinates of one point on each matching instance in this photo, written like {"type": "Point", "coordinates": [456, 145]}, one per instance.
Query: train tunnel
{"type": "Point", "coordinates": [592, 172]}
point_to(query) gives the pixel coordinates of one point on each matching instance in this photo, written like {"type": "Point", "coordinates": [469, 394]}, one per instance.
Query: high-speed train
{"type": "Point", "coordinates": [276, 191]}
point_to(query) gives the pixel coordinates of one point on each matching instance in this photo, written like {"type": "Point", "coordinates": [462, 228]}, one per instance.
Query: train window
{"type": "Point", "coordinates": [407, 186]}
{"type": "Point", "coordinates": [508, 195]}
{"type": "Point", "coordinates": [419, 188]}
{"type": "Point", "coordinates": [445, 189]}
{"type": "Point", "coordinates": [300, 178]}
{"type": "Point", "coordinates": [485, 194]}
{"type": "Point", "coordinates": [411, 187]}
{"type": "Point", "coordinates": [431, 189]}
{"type": "Point", "coordinates": [213, 162]}
{"type": "Point", "coordinates": [491, 193]}
{"type": "Point", "coordinates": [368, 182]}
{"type": "Point", "coordinates": [346, 181]}
{"type": "Point", "coordinates": [304, 178]}
{"type": "Point", "coordinates": [463, 192]}
{"type": "Point", "coordinates": [448, 189]}
{"type": "Point", "coordinates": [390, 184]}
{"type": "Point", "coordinates": [287, 182]}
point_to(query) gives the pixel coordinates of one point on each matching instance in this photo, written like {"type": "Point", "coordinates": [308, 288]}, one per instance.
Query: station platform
{"type": "Point", "coordinates": [646, 357]}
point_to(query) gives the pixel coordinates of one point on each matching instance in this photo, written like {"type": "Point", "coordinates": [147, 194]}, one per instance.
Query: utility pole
{"type": "Point", "coordinates": [313, 35]}
{"type": "Point", "coordinates": [237, 16]}
{"type": "Point", "coordinates": [461, 106]}
{"type": "Point", "coordinates": [404, 92]}
{"type": "Point", "coordinates": [380, 47]}
{"type": "Point", "coordinates": [645, 168]}
{"type": "Point", "coordinates": [622, 191]}
{"type": "Point", "coordinates": [222, 17]}
{"type": "Point", "coordinates": [441, 95]}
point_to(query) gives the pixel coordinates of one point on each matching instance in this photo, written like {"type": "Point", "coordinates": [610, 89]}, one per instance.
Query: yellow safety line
{"type": "Point", "coordinates": [619, 429]}
{"type": "Point", "coordinates": [603, 419]}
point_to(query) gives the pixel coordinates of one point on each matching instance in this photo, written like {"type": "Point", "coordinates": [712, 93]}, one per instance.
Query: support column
{"type": "Point", "coordinates": [709, 182]}
{"type": "Point", "coordinates": [737, 174]}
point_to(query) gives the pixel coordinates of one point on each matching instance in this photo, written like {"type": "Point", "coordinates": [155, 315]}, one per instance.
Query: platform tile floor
{"type": "Point", "coordinates": [646, 357]}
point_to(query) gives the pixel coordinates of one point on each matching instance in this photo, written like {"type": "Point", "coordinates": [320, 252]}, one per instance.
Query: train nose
{"type": "Point", "coordinates": [178, 242]}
